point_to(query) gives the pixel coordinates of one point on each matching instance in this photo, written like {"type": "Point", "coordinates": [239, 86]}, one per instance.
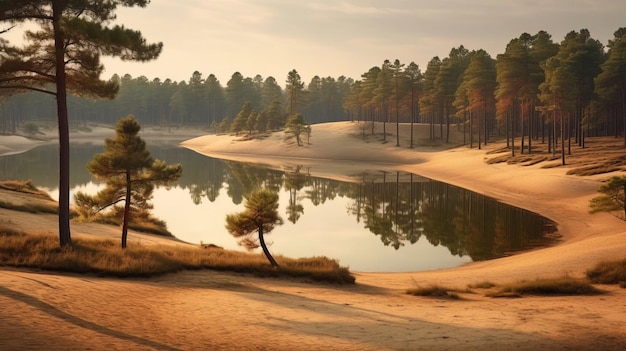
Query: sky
{"type": "Point", "coordinates": [341, 37]}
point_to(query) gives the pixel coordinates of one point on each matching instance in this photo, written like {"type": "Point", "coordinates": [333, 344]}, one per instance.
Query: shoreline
{"type": "Point", "coordinates": [548, 192]}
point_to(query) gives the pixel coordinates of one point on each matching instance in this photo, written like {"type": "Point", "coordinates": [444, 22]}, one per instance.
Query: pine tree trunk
{"type": "Point", "coordinates": [266, 251]}
{"type": "Point", "coordinates": [65, 238]}
{"type": "Point", "coordinates": [126, 212]}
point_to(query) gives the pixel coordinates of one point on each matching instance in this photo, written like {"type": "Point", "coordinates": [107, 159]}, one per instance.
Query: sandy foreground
{"type": "Point", "coordinates": [205, 310]}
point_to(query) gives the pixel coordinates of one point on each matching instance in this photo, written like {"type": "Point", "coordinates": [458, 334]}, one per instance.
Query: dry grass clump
{"type": "Point", "coordinates": [106, 258]}
{"type": "Point", "coordinates": [548, 286]}
{"type": "Point", "coordinates": [608, 272]}
{"type": "Point", "coordinates": [482, 285]}
{"type": "Point", "coordinates": [435, 290]}
{"type": "Point", "coordinates": [24, 186]}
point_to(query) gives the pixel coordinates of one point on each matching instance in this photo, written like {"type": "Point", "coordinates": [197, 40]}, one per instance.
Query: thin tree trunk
{"type": "Point", "coordinates": [530, 129]}
{"type": "Point", "coordinates": [65, 238]}
{"type": "Point", "coordinates": [513, 117]}
{"type": "Point", "coordinates": [266, 251]}
{"type": "Point", "coordinates": [562, 139]}
{"type": "Point", "coordinates": [126, 211]}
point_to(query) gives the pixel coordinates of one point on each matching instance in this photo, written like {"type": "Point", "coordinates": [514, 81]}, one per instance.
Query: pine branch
{"type": "Point", "coordinates": [8, 29]}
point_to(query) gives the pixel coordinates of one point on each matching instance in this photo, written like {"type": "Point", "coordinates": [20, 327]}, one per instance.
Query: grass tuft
{"type": "Point", "coordinates": [435, 290]}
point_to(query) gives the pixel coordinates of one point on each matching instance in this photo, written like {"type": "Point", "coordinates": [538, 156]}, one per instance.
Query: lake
{"type": "Point", "coordinates": [378, 221]}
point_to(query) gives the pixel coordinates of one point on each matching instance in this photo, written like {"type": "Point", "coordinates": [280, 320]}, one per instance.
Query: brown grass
{"type": "Point", "coordinates": [608, 272]}
{"type": "Point", "coordinates": [435, 290]}
{"type": "Point", "coordinates": [31, 207]}
{"type": "Point", "coordinates": [106, 258]}
{"type": "Point", "coordinates": [548, 286]}
{"type": "Point", "coordinates": [24, 187]}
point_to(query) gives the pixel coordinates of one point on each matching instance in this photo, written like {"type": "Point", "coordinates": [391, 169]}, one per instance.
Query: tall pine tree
{"type": "Point", "coordinates": [64, 55]}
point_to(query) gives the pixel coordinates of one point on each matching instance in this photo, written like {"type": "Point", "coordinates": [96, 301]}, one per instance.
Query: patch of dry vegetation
{"type": "Point", "coordinates": [106, 258]}
{"type": "Point", "coordinates": [600, 155]}
{"type": "Point", "coordinates": [608, 272]}
{"type": "Point", "coordinates": [547, 286]}
{"type": "Point", "coordinates": [605, 273]}
{"type": "Point", "coordinates": [24, 186]}
{"type": "Point", "coordinates": [436, 290]}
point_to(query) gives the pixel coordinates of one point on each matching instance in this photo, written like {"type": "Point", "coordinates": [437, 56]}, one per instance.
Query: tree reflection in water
{"type": "Point", "coordinates": [399, 208]}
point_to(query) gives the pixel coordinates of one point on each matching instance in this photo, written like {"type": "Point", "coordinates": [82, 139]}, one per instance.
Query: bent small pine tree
{"type": "Point", "coordinates": [261, 215]}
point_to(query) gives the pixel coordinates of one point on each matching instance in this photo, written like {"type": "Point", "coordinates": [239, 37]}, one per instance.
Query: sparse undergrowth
{"type": "Point", "coordinates": [608, 272]}
{"type": "Point", "coordinates": [435, 290]}
{"type": "Point", "coordinates": [106, 258]}
{"type": "Point", "coordinates": [548, 286]}
{"type": "Point", "coordinates": [600, 155]}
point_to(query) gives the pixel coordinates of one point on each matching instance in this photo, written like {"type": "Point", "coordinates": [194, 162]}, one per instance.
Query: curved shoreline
{"type": "Point", "coordinates": [586, 239]}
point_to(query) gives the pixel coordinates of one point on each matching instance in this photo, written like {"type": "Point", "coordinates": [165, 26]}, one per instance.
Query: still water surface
{"type": "Point", "coordinates": [381, 221]}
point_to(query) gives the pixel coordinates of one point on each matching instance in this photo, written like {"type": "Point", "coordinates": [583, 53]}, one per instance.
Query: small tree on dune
{"type": "Point", "coordinates": [261, 216]}
{"type": "Point", "coordinates": [130, 175]}
{"type": "Point", "coordinates": [613, 198]}
{"type": "Point", "coordinates": [296, 127]}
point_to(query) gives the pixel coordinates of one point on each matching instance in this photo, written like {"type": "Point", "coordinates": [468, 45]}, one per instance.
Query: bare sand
{"type": "Point", "coordinates": [205, 310]}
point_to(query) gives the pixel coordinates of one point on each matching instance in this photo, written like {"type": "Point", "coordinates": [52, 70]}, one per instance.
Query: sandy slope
{"type": "Point", "coordinates": [209, 310]}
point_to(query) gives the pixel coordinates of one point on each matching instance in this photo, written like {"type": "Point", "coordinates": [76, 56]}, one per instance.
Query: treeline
{"type": "Point", "coordinates": [536, 90]}
{"type": "Point", "coordinates": [199, 101]}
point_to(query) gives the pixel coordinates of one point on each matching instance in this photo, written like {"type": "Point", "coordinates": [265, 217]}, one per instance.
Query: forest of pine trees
{"type": "Point", "coordinates": [538, 89]}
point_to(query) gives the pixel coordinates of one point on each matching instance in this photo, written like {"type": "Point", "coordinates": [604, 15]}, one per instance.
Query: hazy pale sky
{"type": "Point", "coordinates": [342, 37]}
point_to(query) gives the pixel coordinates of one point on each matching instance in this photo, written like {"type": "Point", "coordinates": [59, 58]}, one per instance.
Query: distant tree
{"type": "Point", "coordinates": [367, 94]}
{"type": "Point", "coordinates": [382, 93]}
{"type": "Point", "coordinates": [224, 125]}
{"type": "Point", "coordinates": [611, 83]}
{"type": "Point", "coordinates": [295, 92]}
{"type": "Point", "coordinates": [274, 116]}
{"type": "Point", "coordinates": [397, 92]}
{"type": "Point", "coordinates": [215, 98]}
{"type": "Point", "coordinates": [129, 173]}
{"type": "Point", "coordinates": [261, 216]}
{"type": "Point", "coordinates": [64, 55]}
{"type": "Point", "coordinates": [241, 120]}
{"type": "Point", "coordinates": [430, 104]}
{"type": "Point", "coordinates": [479, 84]}
{"type": "Point", "coordinates": [30, 128]}
{"type": "Point", "coordinates": [583, 55]}
{"type": "Point", "coordinates": [251, 122]}
{"type": "Point", "coordinates": [613, 198]}
{"type": "Point", "coordinates": [270, 91]}
{"type": "Point", "coordinates": [447, 82]}
{"type": "Point", "coordinates": [415, 81]}
{"type": "Point", "coordinates": [296, 126]}
{"type": "Point", "coordinates": [557, 96]}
